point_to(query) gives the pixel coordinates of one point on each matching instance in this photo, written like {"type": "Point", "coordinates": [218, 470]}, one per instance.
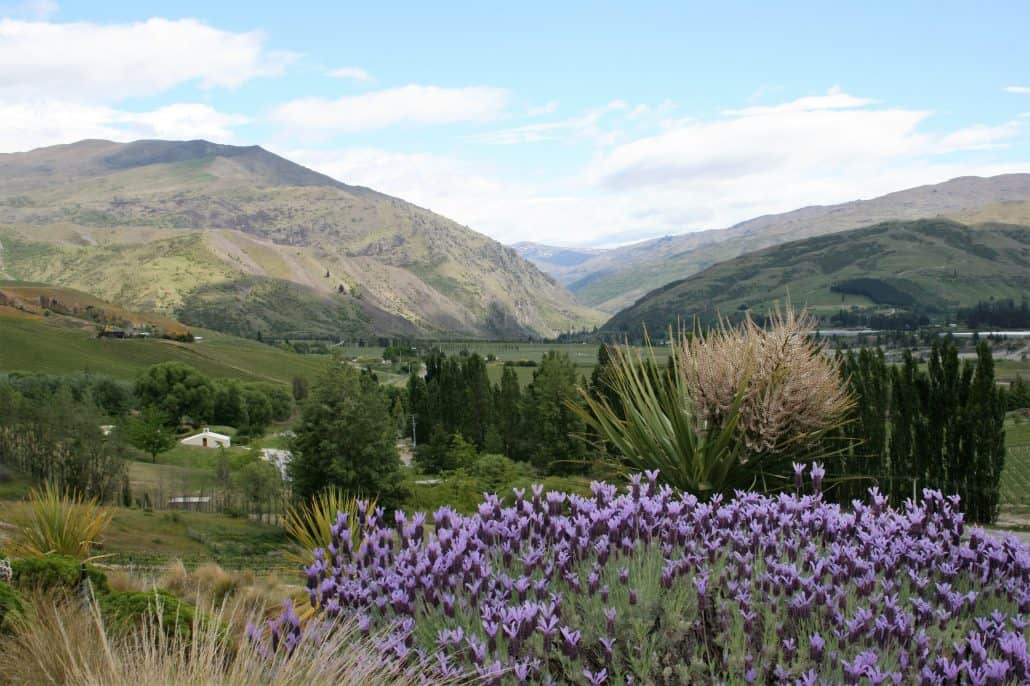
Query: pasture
{"type": "Point", "coordinates": [49, 345]}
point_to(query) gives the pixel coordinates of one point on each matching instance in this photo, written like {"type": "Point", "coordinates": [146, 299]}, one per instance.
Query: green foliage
{"type": "Point", "coordinates": [128, 611]}
{"type": "Point", "coordinates": [880, 291]}
{"type": "Point", "coordinates": [457, 490]}
{"type": "Point", "coordinates": [55, 521]}
{"type": "Point", "coordinates": [941, 428]}
{"type": "Point", "coordinates": [50, 436]}
{"type": "Point", "coordinates": [865, 262]}
{"type": "Point", "coordinates": [149, 432]}
{"type": "Point", "coordinates": [55, 574]}
{"type": "Point", "coordinates": [1018, 394]}
{"type": "Point", "coordinates": [259, 481]}
{"type": "Point", "coordinates": [12, 605]}
{"type": "Point", "coordinates": [551, 410]}
{"type": "Point", "coordinates": [177, 390]}
{"type": "Point", "coordinates": [498, 473]}
{"type": "Point", "coordinates": [310, 524]}
{"type": "Point", "coordinates": [300, 388]}
{"type": "Point", "coordinates": [444, 453]}
{"type": "Point", "coordinates": [346, 438]}
{"type": "Point", "coordinates": [655, 426]}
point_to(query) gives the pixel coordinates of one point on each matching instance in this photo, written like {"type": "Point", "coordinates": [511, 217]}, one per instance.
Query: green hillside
{"type": "Point", "coordinates": [152, 223]}
{"type": "Point", "coordinates": [58, 344]}
{"type": "Point", "coordinates": [936, 265]}
{"type": "Point", "coordinates": [613, 279]}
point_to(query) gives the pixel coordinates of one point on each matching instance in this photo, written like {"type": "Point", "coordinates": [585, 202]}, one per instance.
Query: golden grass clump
{"type": "Point", "coordinates": [792, 392]}
{"type": "Point", "coordinates": [63, 643]}
{"type": "Point", "coordinates": [54, 521]}
{"type": "Point", "coordinates": [211, 585]}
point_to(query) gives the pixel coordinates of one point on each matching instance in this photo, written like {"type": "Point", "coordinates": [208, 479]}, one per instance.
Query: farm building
{"type": "Point", "coordinates": [201, 503]}
{"type": "Point", "coordinates": [208, 439]}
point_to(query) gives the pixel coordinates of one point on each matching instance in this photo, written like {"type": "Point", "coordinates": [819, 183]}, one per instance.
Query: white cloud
{"type": "Point", "coordinates": [689, 175]}
{"type": "Point", "coordinates": [111, 62]}
{"type": "Point", "coordinates": [587, 125]}
{"type": "Point", "coordinates": [980, 137]}
{"type": "Point", "coordinates": [351, 74]}
{"type": "Point", "coordinates": [412, 104]}
{"type": "Point", "coordinates": [32, 124]}
{"type": "Point", "coordinates": [1017, 89]}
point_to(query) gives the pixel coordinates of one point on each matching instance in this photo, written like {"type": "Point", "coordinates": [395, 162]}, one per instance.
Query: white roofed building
{"type": "Point", "coordinates": [208, 439]}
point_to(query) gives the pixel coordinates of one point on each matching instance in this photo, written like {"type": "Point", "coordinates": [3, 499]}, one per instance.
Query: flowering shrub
{"type": "Point", "coordinates": [654, 586]}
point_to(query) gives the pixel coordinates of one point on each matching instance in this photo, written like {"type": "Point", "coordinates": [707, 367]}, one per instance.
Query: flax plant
{"type": "Point", "coordinates": [310, 524]}
{"type": "Point", "coordinates": [735, 408]}
{"type": "Point", "coordinates": [657, 426]}
{"type": "Point", "coordinates": [54, 521]}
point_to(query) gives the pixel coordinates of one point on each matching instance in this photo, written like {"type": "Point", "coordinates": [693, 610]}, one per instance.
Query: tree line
{"type": "Point", "coordinates": [1005, 313]}
{"type": "Point", "coordinates": [534, 425]}
{"type": "Point", "coordinates": [939, 427]}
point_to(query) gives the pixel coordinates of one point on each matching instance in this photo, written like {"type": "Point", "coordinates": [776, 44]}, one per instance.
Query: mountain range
{"type": "Point", "coordinates": [245, 241]}
{"type": "Point", "coordinates": [613, 279]}
{"type": "Point", "coordinates": [927, 265]}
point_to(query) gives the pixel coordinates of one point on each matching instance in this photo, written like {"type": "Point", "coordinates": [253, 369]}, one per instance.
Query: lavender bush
{"type": "Point", "coordinates": [652, 586]}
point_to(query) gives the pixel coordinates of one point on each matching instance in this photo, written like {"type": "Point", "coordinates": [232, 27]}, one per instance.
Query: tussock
{"type": "Point", "coordinates": [63, 643]}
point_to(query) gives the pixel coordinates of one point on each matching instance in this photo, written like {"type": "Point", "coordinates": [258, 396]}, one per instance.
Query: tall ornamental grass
{"type": "Point", "coordinates": [734, 408]}
{"type": "Point", "coordinates": [65, 644]}
{"type": "Point", "coordinates": [54, 521]}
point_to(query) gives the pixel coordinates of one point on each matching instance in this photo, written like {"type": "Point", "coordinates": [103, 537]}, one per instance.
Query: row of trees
{"type": "Point", "coordinates": [48, 434]}
{"type": "Point", "coordinates": [180, 394]}
{"type": "Point", "coordinates": [534, 424]}
{"type": "Point", "coordinates": [1005, 314]}
{"type": "Point", "coordinates": [940, 427]}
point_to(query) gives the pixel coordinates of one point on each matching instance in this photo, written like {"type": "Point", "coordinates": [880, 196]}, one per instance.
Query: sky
{"type": "Point", "coordinates": [570, 123]}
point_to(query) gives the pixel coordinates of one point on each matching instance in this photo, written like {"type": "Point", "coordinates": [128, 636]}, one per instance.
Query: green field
{"type": "Point", "coordinates": [1015, 479]}
{"type": "Point", "coordinates": [583, 355]}
{"type": "Point", "coordinates": [42, 345]}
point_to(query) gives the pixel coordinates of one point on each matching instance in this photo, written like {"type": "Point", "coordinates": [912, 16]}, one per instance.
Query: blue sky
{"type": "Point", "coordinates": [570, 123]}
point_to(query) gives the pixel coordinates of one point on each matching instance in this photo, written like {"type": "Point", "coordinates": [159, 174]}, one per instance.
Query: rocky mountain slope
{"type": "Point", "coordinates": [197, 229]}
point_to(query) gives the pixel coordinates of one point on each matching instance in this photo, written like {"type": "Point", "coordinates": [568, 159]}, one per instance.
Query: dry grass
{"type": "Point", "coordinates": [242, 593]}
{"type": "Point", "coordinates": [63, 643]}
{"type": "Point", "coordinates": [53, 521]}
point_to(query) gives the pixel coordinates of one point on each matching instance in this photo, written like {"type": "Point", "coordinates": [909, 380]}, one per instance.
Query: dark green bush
{"type": "Point", "coordinates": [126, 611]}
{"type": "Point", "coordinates": [11, 605]}
{"type": "Point", "coordinates": [53, 573]}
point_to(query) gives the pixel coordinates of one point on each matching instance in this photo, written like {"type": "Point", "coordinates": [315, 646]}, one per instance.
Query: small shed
{"type": "Point", "coordinates": [208, 439]}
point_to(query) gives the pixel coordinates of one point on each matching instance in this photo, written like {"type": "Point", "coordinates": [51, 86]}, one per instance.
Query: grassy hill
{"type": "Point", "coordinates": [937, 264]}
{"type": "Point", "coordinates": [33, 338]}
{"type": "Point", "coordinates": [154, 223]}
{"type": "Point", "coordinates": [613, 279]}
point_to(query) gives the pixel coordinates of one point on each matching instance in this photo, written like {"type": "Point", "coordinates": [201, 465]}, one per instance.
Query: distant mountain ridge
{"type": "Point", "coordinates": [928, 265]}
{"type": "Point", "coordinates": [613, 279]}
{"type": "Point", "coordinates": [194, 228]}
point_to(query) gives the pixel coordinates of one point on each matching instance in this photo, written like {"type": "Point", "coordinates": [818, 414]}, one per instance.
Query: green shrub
{"type": "Point", "coordinates": [54, 573]}
{"type": "Point", "coordinates": [126, 611]}
{"type": "Point", "coordinates": [11, 604]}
